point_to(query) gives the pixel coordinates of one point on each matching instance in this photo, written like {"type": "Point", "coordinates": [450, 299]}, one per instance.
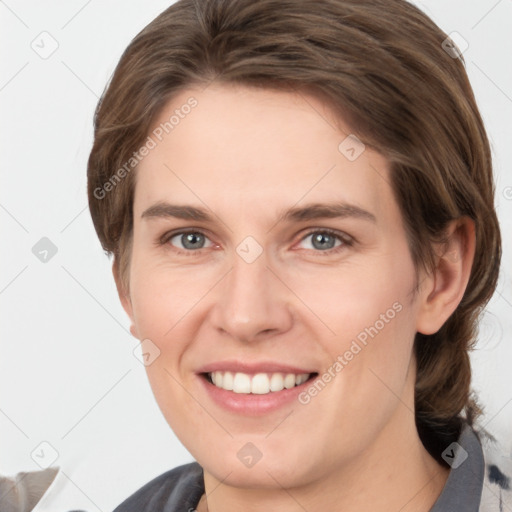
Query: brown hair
{"type": "Point", "coordinates": [382, 66]}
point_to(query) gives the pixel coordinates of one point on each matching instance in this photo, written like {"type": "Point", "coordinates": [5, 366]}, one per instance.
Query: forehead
{"type": "Point", "coordinates": [257, 150]}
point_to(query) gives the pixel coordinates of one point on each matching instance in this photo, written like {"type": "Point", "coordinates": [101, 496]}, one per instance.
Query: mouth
{"type": "Point", "coordinates": [253, 388]}
{"type": "Point", "coordinates": [256, 384]}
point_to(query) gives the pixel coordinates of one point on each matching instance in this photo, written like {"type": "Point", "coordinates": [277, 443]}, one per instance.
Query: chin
{"type": "Point", "coordinates": [272, 470]}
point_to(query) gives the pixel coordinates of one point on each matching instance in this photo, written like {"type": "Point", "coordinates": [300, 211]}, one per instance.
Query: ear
{"type": "Point", "coordinates": [124, 296]}
{"type": "Point", "coordinates": [443, 289]}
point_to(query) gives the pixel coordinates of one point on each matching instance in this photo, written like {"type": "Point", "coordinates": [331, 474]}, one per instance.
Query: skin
{"type": "Point", "coordinates": [247, 155]}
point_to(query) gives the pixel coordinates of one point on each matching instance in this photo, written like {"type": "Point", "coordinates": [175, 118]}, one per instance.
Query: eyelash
{"type": "Point", "coordinates": [346, 240]}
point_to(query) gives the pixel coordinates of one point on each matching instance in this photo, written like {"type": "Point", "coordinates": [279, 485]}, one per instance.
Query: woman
{"type": "Point", "coordinates": [299, 200]}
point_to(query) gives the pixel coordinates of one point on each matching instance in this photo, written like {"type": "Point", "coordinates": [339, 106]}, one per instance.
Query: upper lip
{"type": "Point", "coordinates": [252, 367]}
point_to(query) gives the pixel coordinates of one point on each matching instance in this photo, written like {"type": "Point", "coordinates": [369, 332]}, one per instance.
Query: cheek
{"type": "Point", "coordinates": [163, 304]}
{"type": "Point", "coordinates": [367, 324]}
{"type": "Point", "coordinates": [162, 297]}
{"type": "Point", "coordinates": [348, 299]}
{"type": "Point", "coordinates": [169, 309]}
{"type": "Point", "coordinates": [384, 342]}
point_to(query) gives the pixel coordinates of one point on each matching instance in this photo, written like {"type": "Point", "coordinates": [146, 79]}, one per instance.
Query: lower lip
{"type": "Point", "coordinates": [249, 404]}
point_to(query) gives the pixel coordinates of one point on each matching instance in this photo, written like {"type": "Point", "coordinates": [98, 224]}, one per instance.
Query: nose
{"type": "Point", "coordinates": [253, 304]}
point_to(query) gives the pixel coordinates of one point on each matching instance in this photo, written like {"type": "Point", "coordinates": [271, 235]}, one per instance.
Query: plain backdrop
{"type": "Point", "coordinates": [69, 376]}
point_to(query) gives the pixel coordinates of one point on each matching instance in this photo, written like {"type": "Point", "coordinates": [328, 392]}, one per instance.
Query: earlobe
{"type": "Point", "coordinates": [443, 290]}
{"type": "Point", "coordinates": [124, 297]}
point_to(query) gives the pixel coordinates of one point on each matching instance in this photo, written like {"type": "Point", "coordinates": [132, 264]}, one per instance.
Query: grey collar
{"type": "Point", "coordinates": [463, 488]}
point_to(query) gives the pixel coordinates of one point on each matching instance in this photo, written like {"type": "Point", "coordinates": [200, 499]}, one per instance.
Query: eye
{"type": "Point", "coordinates": [321, 240]}
{"type": "Point", "coordinates": [326, 240]}
{"type": "Point", "coordinates": [189, 240]}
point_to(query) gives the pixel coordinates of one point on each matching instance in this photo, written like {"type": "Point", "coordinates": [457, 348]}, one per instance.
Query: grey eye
{"type": "Point", "coordinates": [322, 240]}
{"type": "Point", "coordinates": [190, 240]}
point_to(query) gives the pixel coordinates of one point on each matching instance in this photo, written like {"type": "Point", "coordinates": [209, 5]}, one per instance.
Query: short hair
{"type": "Point", "coordinates": [391, 74]}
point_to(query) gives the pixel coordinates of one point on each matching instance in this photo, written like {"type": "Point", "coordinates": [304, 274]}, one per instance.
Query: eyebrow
{"type": "Point", "coordinates": [295, 214]}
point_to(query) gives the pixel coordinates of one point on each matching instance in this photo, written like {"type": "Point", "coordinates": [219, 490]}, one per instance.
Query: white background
{"type": "Point", "coordinates": [68, 374]}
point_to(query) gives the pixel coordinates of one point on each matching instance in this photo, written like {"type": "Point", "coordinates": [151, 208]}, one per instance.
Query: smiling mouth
{"type": "Point", "coordinates": [257, 384]}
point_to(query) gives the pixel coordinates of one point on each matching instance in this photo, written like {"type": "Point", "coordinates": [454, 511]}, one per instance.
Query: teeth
{"type": "Point", "coordinates": [217, 378]}
{"type": "Point", "coordinates": [241, 383]}
{"type": "Point", "coordinates": [276, 382]}
{"type": "Point", "coordinates": [299, 379]}
{"type": "Point", "coordinates": [258, 384]}
{"type": "Point", "coordinates": [227, 382]}
{"type": "Point", "coordinates": [289, 381]}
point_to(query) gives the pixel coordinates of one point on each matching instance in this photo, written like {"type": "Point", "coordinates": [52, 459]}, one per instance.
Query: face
{"type": "Point", "coordinates": [270, 256]}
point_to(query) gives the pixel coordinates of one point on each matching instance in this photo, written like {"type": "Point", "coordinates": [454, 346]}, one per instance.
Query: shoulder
{"type": "Point", "coordinates": [177, 489]}
{"type": "Point", "coordinates": [480, 475]}
{"type": "Point", "coordinates": [497, 485]}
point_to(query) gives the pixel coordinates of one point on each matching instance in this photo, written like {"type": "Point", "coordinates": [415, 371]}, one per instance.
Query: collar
{"type": "Point", "coordinates": [463, 488]}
